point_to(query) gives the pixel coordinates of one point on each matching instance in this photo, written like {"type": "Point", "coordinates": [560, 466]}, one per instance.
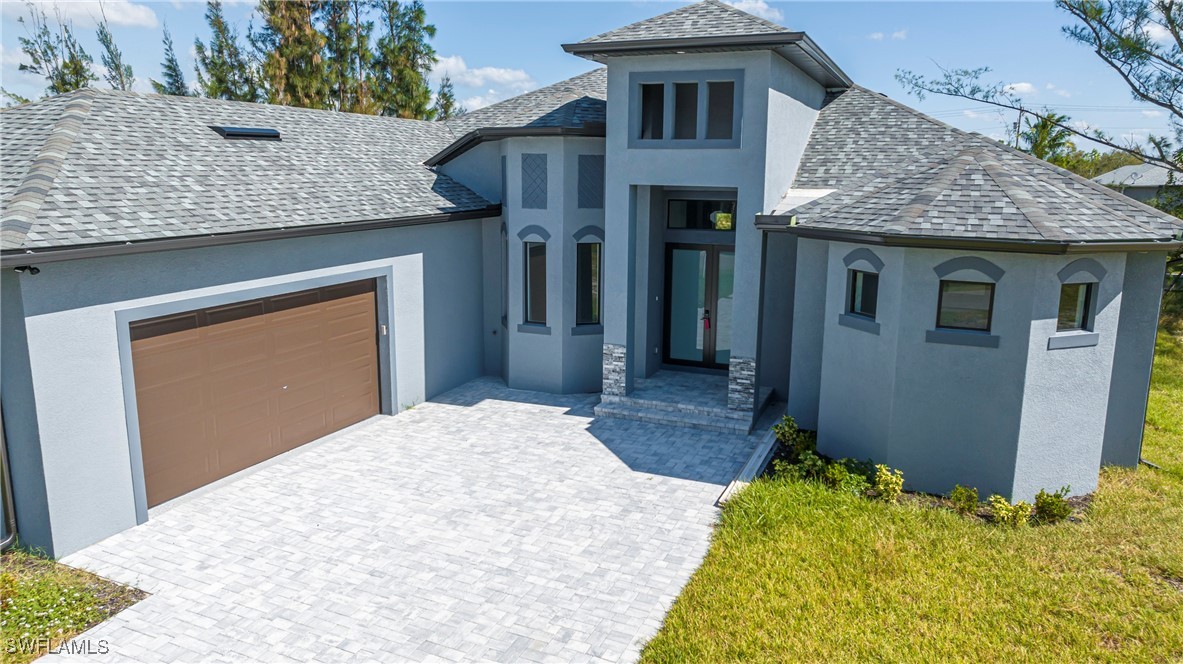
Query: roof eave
{"type": "Point", "coordinates": [780, 223]}
{"type": "Point", "coordinates": [39, 256]}
{"type": "Point", "coordinates": [776, 41]}
{"type": "Point", "coordinates": [477, 136]}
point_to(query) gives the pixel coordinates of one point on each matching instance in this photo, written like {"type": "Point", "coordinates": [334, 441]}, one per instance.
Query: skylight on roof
{"type": "Point", "coordinates": [247, 133]}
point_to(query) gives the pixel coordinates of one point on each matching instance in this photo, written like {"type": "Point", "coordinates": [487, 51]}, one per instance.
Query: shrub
{"type": "Point", "coordinates": [1006, 514]}
{"type": "Point", "coordinates": [811, 466]}
{"type": "Point", "coordinates": [838, 476]}
{"type": "Point", "coordinates": [1052, 507]}
{"type": "Point", "coordinates": [889, 484]}
{"type": "Point", "coordinates": [964, 499]}
{"type": "Point", "coordinates": [794, 441]}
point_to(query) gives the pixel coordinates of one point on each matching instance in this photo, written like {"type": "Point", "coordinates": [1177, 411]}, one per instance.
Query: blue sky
{"type": "Point", "coordinates": [494, 50]}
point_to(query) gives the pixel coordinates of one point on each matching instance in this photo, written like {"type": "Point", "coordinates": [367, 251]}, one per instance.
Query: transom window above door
{"type": "Point", "coordinates": [696, 109]}
{"type": "Point", "coordinates": [710, 215]}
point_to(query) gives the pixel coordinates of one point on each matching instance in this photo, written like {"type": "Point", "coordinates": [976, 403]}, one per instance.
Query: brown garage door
{"type": "Point", "coordinates": [224, 388]}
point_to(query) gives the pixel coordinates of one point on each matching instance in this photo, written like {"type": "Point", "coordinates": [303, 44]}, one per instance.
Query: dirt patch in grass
{"type": "Point", "coordinates": [44, 603]}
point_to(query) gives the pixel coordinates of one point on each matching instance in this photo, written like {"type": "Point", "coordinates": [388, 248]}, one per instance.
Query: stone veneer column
{"type": "Point", "coordinates": [615, 370]}
{"type": "Point", "coordinates": [741, 382]}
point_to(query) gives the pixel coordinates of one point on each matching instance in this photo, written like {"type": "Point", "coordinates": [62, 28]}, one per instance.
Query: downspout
{"type": "Point", "coordinates": [6, 486]}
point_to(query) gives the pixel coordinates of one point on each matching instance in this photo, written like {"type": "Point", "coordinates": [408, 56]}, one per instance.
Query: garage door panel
{"type": "Point", "coordinates": [158, 364]}
{"type": "Point", "coordinates": [300, 430]}
{"type": "Point", "coordinates": [212, 398]}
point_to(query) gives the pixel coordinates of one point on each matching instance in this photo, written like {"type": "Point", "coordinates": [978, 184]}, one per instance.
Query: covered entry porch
{"type": "Point", "coordinates": [688, 295]}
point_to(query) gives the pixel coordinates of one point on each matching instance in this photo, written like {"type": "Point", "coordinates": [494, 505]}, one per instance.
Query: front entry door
{"type": "Point", "coordinates": [698, 296]}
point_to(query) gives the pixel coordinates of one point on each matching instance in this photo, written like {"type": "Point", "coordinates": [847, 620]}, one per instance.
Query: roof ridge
{"type": "Point", "coordinates": [21, 211]}
{"type": "Point", "coordinates": [930, 192]}
{"type": "Point", "coordinates": [776, 27]}
{"type": "Point", "coordinates": [1096, 186]}
{"type": "Point", "coordinates": [1017, 194]}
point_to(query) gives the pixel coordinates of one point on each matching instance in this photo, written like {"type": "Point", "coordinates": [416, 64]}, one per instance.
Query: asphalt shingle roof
{"type": "Point", "coordinates": [99, 166]}
{"type": "Point", "coordinates": [709, 18]}
{"type": "Point", "coordinates": [575, 102]}
{"type": "Point", "coordinates": [899, 172]}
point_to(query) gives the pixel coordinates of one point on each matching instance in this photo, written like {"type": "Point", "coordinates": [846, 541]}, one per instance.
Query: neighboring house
{"type": "Point", "coordinates": [182, 299]}
{"type": "Point", "coordinates": [1142, 182]}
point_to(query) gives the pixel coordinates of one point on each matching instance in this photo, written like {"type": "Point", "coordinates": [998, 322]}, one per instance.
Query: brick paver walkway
{"type": "Point", "coordinates": [488, 524]}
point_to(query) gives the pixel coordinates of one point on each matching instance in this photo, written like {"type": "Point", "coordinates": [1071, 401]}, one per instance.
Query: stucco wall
{"type": "Point", "coordinates": [433, 305]}
{"type": "Point", "coordinates": [1010, 419]}
{"type": "Point", "coordinates": [1133, 358]}
{"type": "Point", "coordinates": [551, 358]}
{"type": "Point", "coordinates": [1066, 393]}
{"type": "Point", "coordinates": [807, 341]}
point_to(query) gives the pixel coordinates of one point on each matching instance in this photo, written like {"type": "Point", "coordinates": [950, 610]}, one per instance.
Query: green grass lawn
{"type": "Point", "coordinates": [799, 572]}
{"type": "Point", "coordinates": [43, 603]}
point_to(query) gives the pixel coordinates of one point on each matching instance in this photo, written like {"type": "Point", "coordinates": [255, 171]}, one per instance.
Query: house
{"type": "Point", "coordinates": [191, 286]}
{"type": "Point", "coordinates": [1142, 182]}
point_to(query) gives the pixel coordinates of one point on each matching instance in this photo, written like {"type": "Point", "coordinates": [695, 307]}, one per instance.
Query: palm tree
{"type": "Point", "coordinates": [1045, 137]}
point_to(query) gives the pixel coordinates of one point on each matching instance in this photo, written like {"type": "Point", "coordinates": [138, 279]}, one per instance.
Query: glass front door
{"type": "Point", "coordinates": [698, 283]}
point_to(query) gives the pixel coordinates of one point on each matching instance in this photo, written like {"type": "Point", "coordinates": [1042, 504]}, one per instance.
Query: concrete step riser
{"type": "Point", "coordinates": [671, 418]}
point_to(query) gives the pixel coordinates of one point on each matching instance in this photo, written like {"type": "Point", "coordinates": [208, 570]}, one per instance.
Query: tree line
{"type": "Point", "coordinates": [359, 56]}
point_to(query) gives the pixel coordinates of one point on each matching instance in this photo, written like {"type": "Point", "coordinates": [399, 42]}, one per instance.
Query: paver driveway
{"type": "Point", "coordinates": [488, 524]}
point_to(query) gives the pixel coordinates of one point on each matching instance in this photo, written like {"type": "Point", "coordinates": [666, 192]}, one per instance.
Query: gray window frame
{"type": "Point", "coordinates": [668, 79]}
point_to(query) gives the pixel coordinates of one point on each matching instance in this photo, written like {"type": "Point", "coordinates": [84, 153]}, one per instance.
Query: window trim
{"type": "Point", "coordinates": [989, 311]}
{"type": "Point", "coordinates": [668, 79]}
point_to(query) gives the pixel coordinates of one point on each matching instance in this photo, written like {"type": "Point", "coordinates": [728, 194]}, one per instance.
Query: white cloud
{"type": "Point", "coordinates": [494, 83]}
{"type": "Point", "coordinates": [876, 36]}
{"type": "Point", "coordinates": [1058, 91]}
{"type": "Point", "coordinates": [1152, 113]}
{"type": "Point", "coordinates": [1158, 33]}
{"type": "Point", "coordinates": [758, 8]}
{"type": "Point", "coordinates": [899, 35]}
{"type": "Point", "coordinates": [1084, 125]}
{"type": "Point", "coordinates": [1020, 89]}
{"type": "Point", "coordinates": [86, 13]}
{"type": "Point", "coordinates": [30, 86]}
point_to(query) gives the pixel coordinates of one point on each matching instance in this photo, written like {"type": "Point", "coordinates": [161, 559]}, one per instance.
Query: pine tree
{"type": "Point", "coordinates": [339, 34]}
{"type": "Point", "coordinates": [174, 78]}
{"type": "Point", "coordinates": [119, 75]}
{"type": "Point", "coordinates": [364, 97]}
{"type": "Point", "coordinates": [404, 58]}
{"type": "Point", "coordinates": [446, 107]}
{"type": "Point", "coordinates": [58, 56]}
{"type": "Point", "coordinates": [223, 70]}
{"type": "Point", "coordinates": [291, 46]}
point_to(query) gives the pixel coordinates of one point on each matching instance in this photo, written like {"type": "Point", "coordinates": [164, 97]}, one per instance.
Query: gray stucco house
{"type": "Point", "coordinates": [191, 286]}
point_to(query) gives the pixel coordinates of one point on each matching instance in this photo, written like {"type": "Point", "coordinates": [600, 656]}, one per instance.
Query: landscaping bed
{"type": "Point", "coordinates": [44, 603]}
{"type": "Point", "coordinates": [799, 571]}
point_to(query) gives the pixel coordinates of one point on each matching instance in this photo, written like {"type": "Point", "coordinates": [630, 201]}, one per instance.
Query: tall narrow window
{"type": "Point", "coordinates": [504, 278]}
{"type": "Point", "coordinates": [686, 110]}
{"type": "Point", "coordinates": [864, 293]}
{"type": "Point", "coordinates": [965, 305]}
{"type": "Point", "coordinates": [720, 109]}
{"type": "Point", "coordinates": [1075, 307]}
{"type": "Point", "coordinates": [652, 110]}
{"type": "Point", "coordinates": [587, 283]}
{"type": "Point", "coordinates": [536, 282]}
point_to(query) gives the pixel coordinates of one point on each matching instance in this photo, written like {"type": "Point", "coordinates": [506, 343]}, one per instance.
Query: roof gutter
{"type": "Point", "coordinates": [639, 46]}
{"type": "Point", "coordinates": [67, 253]}
{"type": "Point", "coordinates": [478, 136]}
{"type": "Point", "coordinates": [776, 223]}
